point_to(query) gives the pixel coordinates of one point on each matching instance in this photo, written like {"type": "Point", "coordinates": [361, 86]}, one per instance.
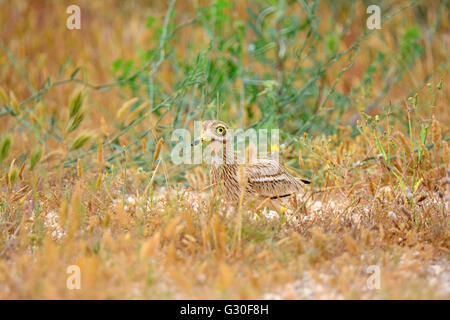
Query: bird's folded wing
{"type": "Point", "coordinates": [270, 179]}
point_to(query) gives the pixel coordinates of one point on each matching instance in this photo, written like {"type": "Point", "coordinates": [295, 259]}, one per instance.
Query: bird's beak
{"type": "Point", "coordinates": [202, 139]}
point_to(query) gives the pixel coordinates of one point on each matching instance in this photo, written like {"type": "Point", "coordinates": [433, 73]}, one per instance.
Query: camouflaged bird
{"type": "Point", "coordinates": [263, 177]}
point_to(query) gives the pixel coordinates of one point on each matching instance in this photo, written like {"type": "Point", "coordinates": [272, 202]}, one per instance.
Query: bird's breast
{"type": "Point", "coordinates": [227, 175]}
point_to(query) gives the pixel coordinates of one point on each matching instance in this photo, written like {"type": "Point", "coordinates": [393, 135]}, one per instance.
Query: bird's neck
{"type": "Point", "coordinates": [223, 154]}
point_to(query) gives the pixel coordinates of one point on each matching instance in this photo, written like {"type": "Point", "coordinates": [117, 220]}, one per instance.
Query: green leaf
{"type": "Point", "coordinates": [35, 157]}
{"type": "Point", "coordinates": [150, 21]}
{"type": "Point", "coordinates": [80, 141]}
{"type": "Point", "coordinates": [12, 175]}
{"type": "Point", "coordinates": [72, 76]}
{"type": "Point", "coordinates": [116, 65]}
{"type": "Point", "coordinates": [75, 122]}
{"type": "Point", "coordinates": [75, 104]}
{"type": "Point", "coordinates": [4, 148]}
{"type": "Point", "coordinates": [423, 133]}
{"type": "Point", "coordinates": [380, 147]}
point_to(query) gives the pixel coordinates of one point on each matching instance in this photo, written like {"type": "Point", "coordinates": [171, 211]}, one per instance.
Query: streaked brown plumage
{"type": "Point", "coordinates": [264, 177]}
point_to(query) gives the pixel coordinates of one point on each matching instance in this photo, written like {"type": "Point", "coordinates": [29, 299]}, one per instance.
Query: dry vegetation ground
{"type": "Point", "coordinates": [75, 192]}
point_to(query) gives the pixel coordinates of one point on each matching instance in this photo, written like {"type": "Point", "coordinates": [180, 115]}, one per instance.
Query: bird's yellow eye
{"type": "Point", "coordinates": [220, 130]}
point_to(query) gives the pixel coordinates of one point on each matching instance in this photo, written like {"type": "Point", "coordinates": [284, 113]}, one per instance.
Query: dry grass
{"type": "Point", "coordinates": [136, 229]}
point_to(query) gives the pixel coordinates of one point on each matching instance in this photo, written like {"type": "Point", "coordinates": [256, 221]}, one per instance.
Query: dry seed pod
{"type": "Point", "coordinates": [144, 145]}
{"type": "Point", "coordinates": [79, 168]}
{"type": "Point", "coordinates": [340, 153]}
{"type": "Point", "coordinates": [14, 102]}
{"type": "Point", "coordinates": [436, 133]}
{"type": "Point", "coordinates": [57, 154]}
{"type": "Point", "coordinates": [242, 178]}
{"type": "Point", "coordinates": [371, 188]}
{"type": "Point", "coordinates": [426, 154]}
{"type": "Point", "coordinates": [104, 127]}
{"type": "Point", "coordinates": [125, 106]}
{"type": "Point", "coordinates": [100, 153]}
{"type": "Point", "coordinates": [158, 149]}
{"type": "Point", "coordinates": [201, 176]}
{"type": "Point", "coordinates": [445, 152]}
{"type": "Point", "coordinates": [99, 181]}
{"type": "Point", "coordinates": [300, 159]}
{"type": "Point", "coordinates": [191, 179]}
{"type": "Point", "coordinates": [22, 167]}
{"type": "Point", "coordinates": [133, 115]}
{"type": "Point", "coordinates": [386, 193]}
{"type": "Point", "coordinates": [404, 143]}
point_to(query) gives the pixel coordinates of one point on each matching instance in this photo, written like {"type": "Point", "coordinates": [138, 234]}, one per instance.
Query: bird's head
{"type": "Point", "coordinates": [214, 131]}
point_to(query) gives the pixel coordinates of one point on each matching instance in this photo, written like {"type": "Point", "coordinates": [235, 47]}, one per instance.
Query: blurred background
{"type": "Point", "coordinates": [301, 66]}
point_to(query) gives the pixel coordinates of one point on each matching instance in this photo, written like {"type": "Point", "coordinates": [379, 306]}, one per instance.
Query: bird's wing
{"type": "Point", "coordinates": [270, 179]}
